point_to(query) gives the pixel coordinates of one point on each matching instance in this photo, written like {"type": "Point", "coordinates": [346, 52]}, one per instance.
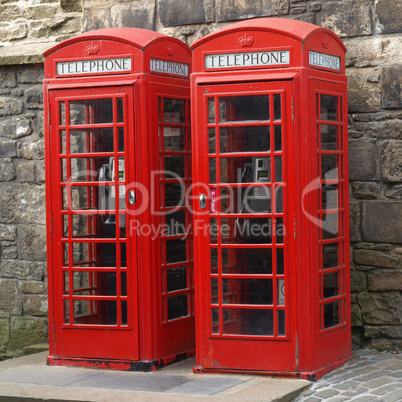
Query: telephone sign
{"type": "Point", "coordinates": [269, 115]}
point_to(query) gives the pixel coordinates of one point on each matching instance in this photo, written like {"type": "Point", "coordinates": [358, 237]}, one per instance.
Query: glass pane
{"type": "Point", "coordinates": [211, 141]}
{"type": "Point", "coordinates": [177, 307]}
{"type": "Point", "coordinates": [91, 111]}
{"type": "Point", "coordinates": [331, 314]}
{"type": "Point", "coordinates": [246, 230]}
{"type": "Point", "coordinates": [329, 196]}
{"type": "Point", "coordinates": [213, 230]}
{"type": "Point", "coordinates": [120, 117]}
{"type": "Point", "coordinates": [279, 200]}
{"type": "Point", "coordinates": [280, 261]}
{"type": "Point", "coordinates": [174, 194]}
{"type": "Point", "coordinates": [280, 289]}
{"type": "Point", "coordinates": [243, 108]}
{"type": "Point", "coordinates": [249, 261]}
{"type": "Point", "coordinates": [330, 255]}
{"type": "Point", "coordinates": [99, 140]}
{"type": "Point", "coordinates": [211, 110]}
{"type": "Point", "coordinates": [174, 166]}
{"type": "Point", "coordinates": [66, 311]}
{"type": "Point", "coordinates": [278, 169]}
{"type": "Point", "coordinates": [87, 169]}
{"type": "Point", "coordinates": [245, 139]}
{"type": "Point", "coordinates": [176, 278]}
{"type": "Point", "coordinates": [331, 284]}
{"type": "Point", "coordinates": [214, 291]}
{"type": "Point", "coordinates": [281, 323]}
{"type": "Point", "coordinates": [278, 138]}
{"type": "Point", "coordinates": [175, 251]}
{"type": "Point", "coordinates": [329, 167]}
{"type": "Point", "coordinates": [246, 170]}
{"type": "Point", "coordinates": [280, 230]}
{"type": "Point", "coordinates": [173, 138]}
{"type": "Point", "coordinates": [248, 322]}
{"type": "Point", "coordinates": [215, 320]}
{"type": "Point", "coordinates": [65, 254]}
{"type": "Point", "coordinates": [173, 110]}
{"type": "Point", "coordinates": [63, 145]}
{"type": "Point", "coordinates": [329, 107]}
{"type": "Point", "coordinates": [176, 223]}
{"type": "Point", "coordinates": [330, 227]}
{"type": "Point", "coordinates": [62, 106]}
{"type": "Point", "coordinates": [212, 170]}
{"type": "Point", "coordinates": [277, 107]}
{"type": "Point", "coordinates": [96, 312]}
{"type": "Point", "coordinates": [247, 291]}
{"type": "Point", "coordinates": [329, 137]}
{"type": "Point", "coordinates": [84, 197]}
{"type": "Point", "coordinates": [214, 260]}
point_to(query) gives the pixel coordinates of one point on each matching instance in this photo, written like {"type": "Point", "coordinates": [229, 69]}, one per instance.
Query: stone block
{"type": "Point", "coordinates": [389, 14]}
{"type": "Point", "coordinates": [9, 12]}
{"type": "Point", "coordinates": [363, 160]}
{"type": "Point", "coordinates": [384, 345]}
{"type": "Point", "coordinates": [97, 18]}
{"type": "Point", "coordinates": [383, 331]}
{"type": "Point", "coordinates": [34, 97]}
{"type": "Point", "coordinates": [8, 232]}
{"type": "Point", "coordinates": [35, 305]}
{"type": "Point", "coordinates": [374, 246]}
{"type": "Point", "coordinates": [8, 79]}
{"type": "Point", "coordinates": [385, 280]}
{"type": "Point", "coordinates": [10, 302]}
{"type": "Point", "coordinates": [367, 190]}
{"type": "Point", "coordinates": [391, 161]}
{"type": "Point", "coordinates": [381, 308]}
{"type": "Point", "coordinates": [374, 51]}
{"type": "Point", "coordinates": [10, 106]}
{"type": "Point", "coordinates": [394, 192]}
{"type": "Point", "coordinates": [356, 315]}
{"type": "Point", "coordinates": [391, 87]}
{"type": "Point", "coordinates": [308, 17]}
{"type": "Point", "coordinates": [25, 270]}
{"type": "Point", "coordinates": [39, 12]}
{"type": "Point", "coordinates": [26, 172]}
{"type": "Point", "coordinates": [314, 7]}
{"type": "Point", "coordinates": [26, 331]}
{"type": "Point", "coordinates": [375, 258]}
{"type": "Point", "coordinates": [71, 5]}
{"type": "Point", "coordinates": [32, 287]}
{"type": "Point", "coordinates": [33, 150]}
{"type": "Point", "coordinates": [16, 31]}
{"type": "Point", "coordinates": [355, 221]}
{"type": "Point", "coordinates": [7, 149]}
{"type": "Point", "coordinates": [381, 221]}
{"type": "Point", "coordinates": [358, 281]}
{"type": "Point", "coordinates": [363, 96]}
{"type": "Point", "coordinates": [178, 12]}
{"type": "Point", "coordinates": [7, 171]}
{"type": "Point", "coordinates": [40, 171]}
{"type": "Point", "coordinates": [348, 18]}
{"type": "Point", "coordinates": [15, 127]}
{"type": "Point", "coordinates": [4, 331]}
{"type": "Point", "coordinates": [10, 252]}
{"type": "Point", "coordinates": [137, 14]}
{"type": "Point", "coordinates": [383, 129]}
{"type": "Point", "coordinates": [32, 242]}
{"type": "Point", "coordinates": [22, 203]}
{"type": "Point", "coordinates": [31, 75]}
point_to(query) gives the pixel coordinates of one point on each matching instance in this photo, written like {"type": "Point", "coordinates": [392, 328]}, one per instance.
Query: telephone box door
{"type": "Point", "coordinates": [95, 271]}
{"type": "Point", "coordinates": [243, 175]}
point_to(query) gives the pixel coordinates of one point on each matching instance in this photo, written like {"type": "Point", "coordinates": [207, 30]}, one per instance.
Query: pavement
{"type": "Point", "coordinates": [369, 376]}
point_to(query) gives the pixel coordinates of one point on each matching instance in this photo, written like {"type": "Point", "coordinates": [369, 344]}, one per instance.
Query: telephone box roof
{"type": "Point", "coordinates": [137, 37]}
{"type": "Point", "coordinates": [297, 30]}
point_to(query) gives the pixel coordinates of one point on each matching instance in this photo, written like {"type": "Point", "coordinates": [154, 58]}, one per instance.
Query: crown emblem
{"type": "Point", "coordinates": [246, 40]}
{"type": "Point", "coordinates": [93, 48]}
{"type": "Point", "coordinates": [325, 42]}
{"type": "Point", "coordinates": [170, 50]}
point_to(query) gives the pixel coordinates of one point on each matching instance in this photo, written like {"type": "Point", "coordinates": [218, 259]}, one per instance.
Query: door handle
{"type": "Point", "coordinates": [132, 197]}
{"type": "Point", "coordinates": [203, 201]}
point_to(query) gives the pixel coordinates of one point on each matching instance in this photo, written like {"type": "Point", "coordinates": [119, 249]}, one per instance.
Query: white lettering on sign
{"type": "Point", "coordinates": [253, 59]}
{"type": "Point", "coordinates": [169, 67]}
{"type": "Point", "coordinates": [94, 66]}
{"type": "Point", "coordinates": [324, 60]}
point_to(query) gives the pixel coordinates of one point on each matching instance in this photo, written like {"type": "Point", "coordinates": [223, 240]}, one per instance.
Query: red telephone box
{"type": "Point", "coordinates": [117, 169]}
{"type": "Point", "coordinates": [271, 242]}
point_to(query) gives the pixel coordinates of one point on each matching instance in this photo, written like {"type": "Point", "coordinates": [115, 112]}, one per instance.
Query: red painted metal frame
{"type": "Point", "coordinates": [146, 344]}
{"type": "Point", "coordinates": [316, 351]}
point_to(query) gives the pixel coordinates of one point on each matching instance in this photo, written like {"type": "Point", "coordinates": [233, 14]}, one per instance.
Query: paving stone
{"type": "Point", "coordinates": [364, 398]}
{"type": "Point", "coordinates": [379, 382]}
{"type": "Point", "coordinates": [355, 391]}
{"type": "Point", "coordinates": [346, 385]}
{"type": "Point", "coordinates": [387, 389]}
{"type": "Point", "coordinates": [327, 393]}
{"type": "Point", "coordinates": [393, 397]}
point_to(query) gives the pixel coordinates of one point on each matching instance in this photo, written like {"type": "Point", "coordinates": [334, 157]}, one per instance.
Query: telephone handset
{"type": "Point", "coordinates": [107, 194]}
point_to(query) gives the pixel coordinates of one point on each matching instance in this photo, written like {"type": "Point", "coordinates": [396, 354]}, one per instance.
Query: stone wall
{"type": "Point", "coordinates": [370, 30]}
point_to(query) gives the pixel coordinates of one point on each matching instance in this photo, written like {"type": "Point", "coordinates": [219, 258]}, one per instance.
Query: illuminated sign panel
{"type": "Point", "coordinates": [325, 61]}
{"type": "Point", "coordinates": [96, 66]}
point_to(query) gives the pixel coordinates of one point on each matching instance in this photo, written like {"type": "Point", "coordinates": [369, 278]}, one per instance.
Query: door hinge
{"type": "Point", "coordinates": [293, 108]}
{"type": "Point", "coordinates": [294, 228]}
{"type": "Point", "coordinates": [51, 222]}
